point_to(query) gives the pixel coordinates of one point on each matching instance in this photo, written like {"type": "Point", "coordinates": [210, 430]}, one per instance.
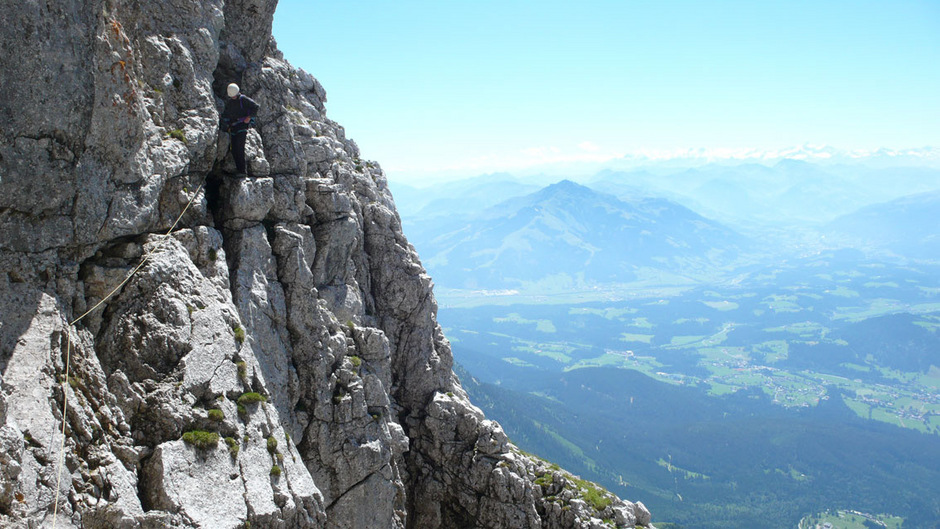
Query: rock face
{"type": "Point", "coordinates": [276, 360]}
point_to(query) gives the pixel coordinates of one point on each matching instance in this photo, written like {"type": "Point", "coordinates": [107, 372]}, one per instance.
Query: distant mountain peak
{"type": "Point", "coordinates": [567, 185]}
{"type": "Point", "coordinates": [565, 188]}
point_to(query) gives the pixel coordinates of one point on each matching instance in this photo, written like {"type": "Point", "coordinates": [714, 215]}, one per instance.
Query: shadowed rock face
{"type": "Point", "coordinates": [277, 359]}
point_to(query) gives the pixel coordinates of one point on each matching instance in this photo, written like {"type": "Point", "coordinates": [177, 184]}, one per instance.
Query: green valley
{"type": "Point", "coordinates": [776, 393]}
{"type": "Point", "coordinates": [771, 335]}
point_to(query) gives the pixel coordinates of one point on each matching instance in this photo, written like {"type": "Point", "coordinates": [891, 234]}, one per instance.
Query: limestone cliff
{"type": "Point", "coordinates": [273, 362]}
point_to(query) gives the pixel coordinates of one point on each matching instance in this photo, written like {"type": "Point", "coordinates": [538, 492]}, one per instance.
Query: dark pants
{"type": "Point", "coordinates": [238, 149]}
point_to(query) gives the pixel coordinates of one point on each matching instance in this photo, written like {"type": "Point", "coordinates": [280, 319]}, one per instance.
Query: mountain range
{"type": "Point", "coordinates": [749, 196]}
{"type": "Point", "coordinates": [495, 232]}
{"type": "Point", "coordinates": [568, 235]}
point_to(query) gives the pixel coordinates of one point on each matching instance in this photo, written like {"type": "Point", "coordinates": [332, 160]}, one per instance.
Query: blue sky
{"type": "Point", "coordinates": [462, 88]}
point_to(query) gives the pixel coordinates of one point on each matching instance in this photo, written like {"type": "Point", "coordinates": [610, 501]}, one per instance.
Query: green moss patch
{"type": "Point", "coordinates": [201, 439]}
{"type": "Point", "coordinates": [251, 398]}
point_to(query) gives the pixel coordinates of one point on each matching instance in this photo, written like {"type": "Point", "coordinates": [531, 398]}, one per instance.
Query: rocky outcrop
{"type": "Point", "coordinates": [275, 361]}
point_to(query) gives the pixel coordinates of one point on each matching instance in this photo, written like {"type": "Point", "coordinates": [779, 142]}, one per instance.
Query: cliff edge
{"type": "Point", "coordinates": [275, 360]}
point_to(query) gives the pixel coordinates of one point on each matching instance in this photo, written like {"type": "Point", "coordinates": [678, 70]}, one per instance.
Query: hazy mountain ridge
{"type": "Point", "coordinates": [822, 155]}
{"type": "Point", "coordinates": [571, 233]}
{"type": "Point", "coordinates": [786, 191]}
{"type": "Point", "coordinates": [908, 226]}
{"type": "Point", "coordinates": [459, 197]}
{"type": "Point", "coordinates": [789, 192]}
{"type": "Point", "coordinates": [659, 235]}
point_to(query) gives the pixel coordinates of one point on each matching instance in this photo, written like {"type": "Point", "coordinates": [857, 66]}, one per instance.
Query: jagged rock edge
{"type": "Point", "coordinates": [117, 185]}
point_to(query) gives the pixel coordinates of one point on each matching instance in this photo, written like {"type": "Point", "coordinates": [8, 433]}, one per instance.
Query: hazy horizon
{"type": "Point", "coordinates": [671, 161]}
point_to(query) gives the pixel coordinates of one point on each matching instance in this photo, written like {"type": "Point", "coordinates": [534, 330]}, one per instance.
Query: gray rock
{"type": "Point", "coordinates": [642, 513]}
{"type": "Point", "coordinates": [204, 485]}
{"type": "Point", "coordinates": [286, 314]}
{"type": "Point", "coordinates": [247, 201]}
{"type": "Point", "coordinates": [11, 454]}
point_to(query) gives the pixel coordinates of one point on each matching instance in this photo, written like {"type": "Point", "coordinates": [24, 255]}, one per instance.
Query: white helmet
{"type": "Point", "coordinates": [232, 90]}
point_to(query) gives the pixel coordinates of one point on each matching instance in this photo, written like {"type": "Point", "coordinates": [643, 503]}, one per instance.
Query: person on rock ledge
{"type": "Point", "coordinates": [237, 117]}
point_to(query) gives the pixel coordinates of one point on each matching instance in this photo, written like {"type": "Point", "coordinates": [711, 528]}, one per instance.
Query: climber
{"type": "Point", "coordinates": [237, 118]}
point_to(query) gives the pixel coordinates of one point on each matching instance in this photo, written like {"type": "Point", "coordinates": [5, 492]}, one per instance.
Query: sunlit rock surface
{"type": "Point", "coordinates": [276, 360]}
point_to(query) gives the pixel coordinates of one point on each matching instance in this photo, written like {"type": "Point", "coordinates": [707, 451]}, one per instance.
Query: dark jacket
{"type": "Point", "coordinates": [236, 109]}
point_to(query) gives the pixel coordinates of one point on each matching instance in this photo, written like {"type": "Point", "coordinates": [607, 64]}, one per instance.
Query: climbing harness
{"type": "Point", "coordinates": [68, 349]}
